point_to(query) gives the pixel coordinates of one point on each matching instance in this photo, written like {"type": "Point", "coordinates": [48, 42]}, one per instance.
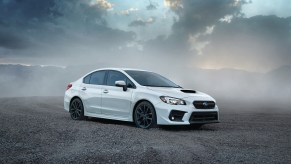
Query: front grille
{"type": "Point", "coordinates": [203, 117]}
{"type": "Point", "coordinates": [204, 104]}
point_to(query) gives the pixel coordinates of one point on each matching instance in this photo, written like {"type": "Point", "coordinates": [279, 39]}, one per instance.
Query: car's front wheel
{"type": "Point", "coordinates": [145, 115]}
{"type": "Point", "coordinates": [77, 109]}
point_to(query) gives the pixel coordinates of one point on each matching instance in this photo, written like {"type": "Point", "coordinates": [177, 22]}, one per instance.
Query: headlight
{"type": "Point", "coordinates": [172, 100]}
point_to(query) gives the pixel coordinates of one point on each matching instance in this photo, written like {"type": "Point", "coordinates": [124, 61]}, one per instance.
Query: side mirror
{"type": "Point", "coordinates": [122, 84]}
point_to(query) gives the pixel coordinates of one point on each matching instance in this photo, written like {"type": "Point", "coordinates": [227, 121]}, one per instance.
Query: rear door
{"type": "Point", "coordinates": [115, 101]}
{"type": "Point", "coordinates": [91, 91]}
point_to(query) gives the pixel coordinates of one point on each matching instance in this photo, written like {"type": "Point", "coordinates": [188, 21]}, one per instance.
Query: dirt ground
{"type": "Point", "coordinates": [38, 130]}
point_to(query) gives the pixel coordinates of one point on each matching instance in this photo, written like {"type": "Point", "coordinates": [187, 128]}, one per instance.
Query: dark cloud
{"type": "Point", "coordinates": [256, 42]}
{"type": "Point", "coordinates": [193, 18]}
{"type": "Point", "coordinates": [11, 41]}
{"type": "Point", "coordinates": [30, 11]}
{"type": "Point", "coordinates": [19, 11]}
{"type": "Point", "coordinates": [56, 27]}
{"type": "Point", "coordinates": [18, 18]}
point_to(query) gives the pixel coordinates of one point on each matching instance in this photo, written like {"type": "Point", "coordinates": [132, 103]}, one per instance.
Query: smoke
{"type": "Point", "coordinates": [227, 86]}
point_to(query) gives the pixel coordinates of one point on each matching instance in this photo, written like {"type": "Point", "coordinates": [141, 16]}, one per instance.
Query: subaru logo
{"type": "Point", "coordinates": [205, 104]}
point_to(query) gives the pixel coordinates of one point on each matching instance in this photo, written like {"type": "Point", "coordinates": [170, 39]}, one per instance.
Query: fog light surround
{"type": "Point", "coordinates": [176, 115]}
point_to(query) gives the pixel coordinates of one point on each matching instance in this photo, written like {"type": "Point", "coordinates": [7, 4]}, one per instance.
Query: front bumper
{"type": "Point", "coordinates": [191, 115]}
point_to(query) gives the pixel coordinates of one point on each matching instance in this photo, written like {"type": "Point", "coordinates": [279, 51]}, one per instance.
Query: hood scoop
{"type": "Point", "coordinates": [188, 91]}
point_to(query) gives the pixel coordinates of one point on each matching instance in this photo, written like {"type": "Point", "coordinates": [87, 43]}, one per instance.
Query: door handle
{"type": "Point", "coordinates": [105, 91]}
{"type": "Point", "coordinates": [84, 89]}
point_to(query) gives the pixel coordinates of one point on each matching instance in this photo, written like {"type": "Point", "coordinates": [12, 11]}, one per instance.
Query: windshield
{"type": "Point", "coordinates": [151, 79]}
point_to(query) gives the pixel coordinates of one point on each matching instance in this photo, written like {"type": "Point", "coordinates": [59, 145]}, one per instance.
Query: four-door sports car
{"type": "Point", "coordinates": [145, 98]}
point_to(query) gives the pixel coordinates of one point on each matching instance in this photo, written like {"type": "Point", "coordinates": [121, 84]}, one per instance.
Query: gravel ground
{"type": "Point", "coordinates": [38, 130]}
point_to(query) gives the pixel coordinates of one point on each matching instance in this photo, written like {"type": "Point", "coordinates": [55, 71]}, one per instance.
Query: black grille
{"type": "Point", "coordinates": [200, 117]}
{"type": "Point", "coordinates": [204, 104]}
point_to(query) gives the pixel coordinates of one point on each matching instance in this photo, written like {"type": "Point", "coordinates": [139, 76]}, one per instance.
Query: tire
{"type": "Point", "coordinates": [145, 115]}
{"type": "Point", "coordinates": [77, 109]}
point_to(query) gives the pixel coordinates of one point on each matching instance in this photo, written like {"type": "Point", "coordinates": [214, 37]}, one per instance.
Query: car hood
{"type": "Point", "coordinates": [181, 93]}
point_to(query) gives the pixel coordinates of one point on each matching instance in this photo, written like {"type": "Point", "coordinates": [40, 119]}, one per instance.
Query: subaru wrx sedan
{"type": "Point", "coordinates": [143, 97]}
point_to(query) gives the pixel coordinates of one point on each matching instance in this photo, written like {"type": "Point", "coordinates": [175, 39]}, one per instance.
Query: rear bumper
{"type": "Point", "coordinates": [67, 100]}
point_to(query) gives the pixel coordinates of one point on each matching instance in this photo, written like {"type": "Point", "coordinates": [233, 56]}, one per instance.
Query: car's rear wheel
{"type": "Point", "coordinates": [77, 109]}
{"type": "Point", "coordinates": [145, 115]}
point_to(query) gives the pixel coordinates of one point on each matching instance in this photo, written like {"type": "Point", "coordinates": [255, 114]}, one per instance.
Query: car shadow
{"type": "Point", "coordinates": [187, 128]}
{"type": "Point", "coordinates": [160, 127]}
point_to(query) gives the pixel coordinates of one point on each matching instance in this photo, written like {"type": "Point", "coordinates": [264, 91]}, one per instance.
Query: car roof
{"type": "Point", "coordinates": [113, 68]}
{"type": "Point", "coordinates": [121, 69]}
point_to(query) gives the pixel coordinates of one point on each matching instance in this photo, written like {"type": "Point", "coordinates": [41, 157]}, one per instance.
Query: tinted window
{"type": "Point", "coordinates": [97, 78]}
{"type": "Point", "coordinates": [150, 79]}
{"type": "Point", "coordinates": [116, 76]}
{"type": "Point", "coordinates": [86, 79]}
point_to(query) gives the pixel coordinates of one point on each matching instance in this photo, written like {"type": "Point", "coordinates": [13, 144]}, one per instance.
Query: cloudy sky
{"type": "Point", "coordinates": [241, 34]}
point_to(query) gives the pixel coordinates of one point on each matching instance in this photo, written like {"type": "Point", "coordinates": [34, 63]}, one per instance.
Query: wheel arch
{"type": "Point", "coordinates": [73, 98]}
{"type": "Point", "coordinates": [138, 102]}
{"type": "Point", "coordinates": [82, 115]}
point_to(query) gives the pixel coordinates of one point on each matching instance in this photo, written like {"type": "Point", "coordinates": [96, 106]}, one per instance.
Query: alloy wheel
{"type": "Point", "coordinates": [76, 109]}
{"type": "Point", "coordinates": [145, 115]}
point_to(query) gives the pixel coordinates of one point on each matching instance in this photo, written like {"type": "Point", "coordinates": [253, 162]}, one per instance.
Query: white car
{"type": "Point", "coordinates": [145, 98]}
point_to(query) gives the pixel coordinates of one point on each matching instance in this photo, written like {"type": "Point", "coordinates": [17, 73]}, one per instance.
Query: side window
{"type": "Point", "coordinates": [97, 78]}
{"type": "Point", "coordinates": [115, 76]}
{"type": "Point", "coordinates": [86, 79]}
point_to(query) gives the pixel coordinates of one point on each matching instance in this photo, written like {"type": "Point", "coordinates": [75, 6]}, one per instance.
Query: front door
{"type": "Point", "coordinates": [115, 101]}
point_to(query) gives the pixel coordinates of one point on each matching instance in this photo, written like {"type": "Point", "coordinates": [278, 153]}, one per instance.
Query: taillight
{"type": "Point", "coordinates": [69, 86]}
